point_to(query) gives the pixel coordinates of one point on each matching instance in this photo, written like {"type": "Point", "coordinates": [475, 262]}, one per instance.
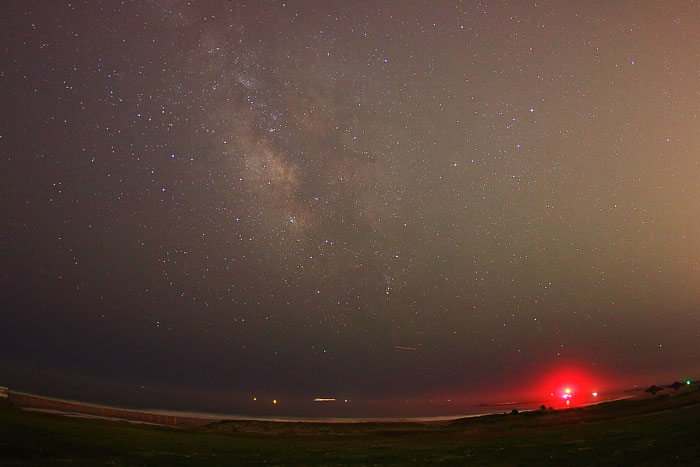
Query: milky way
{"type": "Point", "coordinates": [213, 200]}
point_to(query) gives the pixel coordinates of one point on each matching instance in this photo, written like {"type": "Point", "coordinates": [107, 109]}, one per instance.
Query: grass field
{"type": "Point", "coordinates": [660, 431]}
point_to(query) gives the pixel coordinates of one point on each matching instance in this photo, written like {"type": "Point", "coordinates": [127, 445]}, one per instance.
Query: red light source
{"type": "Point", "coordinates": [573, 383]}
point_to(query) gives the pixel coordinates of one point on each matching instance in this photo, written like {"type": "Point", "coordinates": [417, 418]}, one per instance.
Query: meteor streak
{"type": "Point", "coordinates": [401, 347]}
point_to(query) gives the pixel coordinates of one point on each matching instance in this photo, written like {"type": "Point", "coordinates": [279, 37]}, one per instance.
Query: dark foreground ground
{"type": "Point", "coordinates": [660, 431]}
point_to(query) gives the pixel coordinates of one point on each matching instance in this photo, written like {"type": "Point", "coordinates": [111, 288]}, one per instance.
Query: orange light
{"type": "Point", "coordinates": [274, 401]}
{"type": "Point", "coordinates": [567, 390]}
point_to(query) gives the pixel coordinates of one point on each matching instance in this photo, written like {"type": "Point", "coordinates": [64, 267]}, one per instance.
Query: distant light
{"type": "Point", "coordinates": [567, 390]}
{"type": "Point", "coordinates": [255, 398]}
{"type": "Point", "coordinates": [595, 394]}
{"type": "Point", "coordinates": [687, 382]}
{"type": "Point", "coordinates": [274, 401]}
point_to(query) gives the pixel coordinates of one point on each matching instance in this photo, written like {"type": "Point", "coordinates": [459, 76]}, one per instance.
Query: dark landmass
{"type": "Point", "coordinates": [658, 430]}
{"type": "Point", "coordinates": [74, 409]}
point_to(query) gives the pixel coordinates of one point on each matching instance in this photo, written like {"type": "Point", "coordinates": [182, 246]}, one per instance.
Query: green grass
{"type": "Point", "coordinates": [660, 431]}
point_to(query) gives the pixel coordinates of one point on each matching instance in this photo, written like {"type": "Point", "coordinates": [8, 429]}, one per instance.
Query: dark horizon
{"type": "Point", "coordinates": [524, 394]}
{"type": "Point", "coordinates": [375, 201]}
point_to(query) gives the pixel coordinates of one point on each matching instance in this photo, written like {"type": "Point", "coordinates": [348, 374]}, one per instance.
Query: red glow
{"type": "Point", "coordinates": [570, 386]}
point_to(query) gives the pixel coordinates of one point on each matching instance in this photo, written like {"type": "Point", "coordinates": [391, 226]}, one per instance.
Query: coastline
{"type": "Point", "coordinates": [178, 418]}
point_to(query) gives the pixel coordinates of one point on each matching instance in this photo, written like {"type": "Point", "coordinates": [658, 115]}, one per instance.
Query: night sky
{"type": "Point", "coordinates": [208, 201]}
